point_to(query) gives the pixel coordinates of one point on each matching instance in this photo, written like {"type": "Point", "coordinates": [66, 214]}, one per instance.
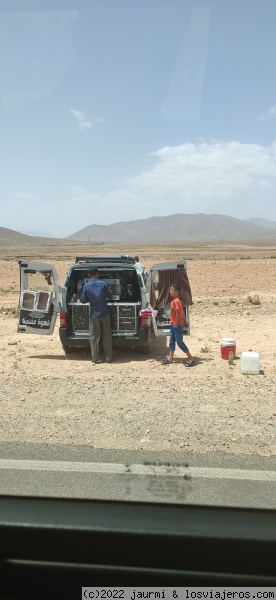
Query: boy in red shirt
{"type": "Point", "coordinates": [177, 321]}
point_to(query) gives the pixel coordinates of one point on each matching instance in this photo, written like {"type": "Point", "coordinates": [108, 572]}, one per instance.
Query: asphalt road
{"type": "Point", "coordinates": [83, 472]}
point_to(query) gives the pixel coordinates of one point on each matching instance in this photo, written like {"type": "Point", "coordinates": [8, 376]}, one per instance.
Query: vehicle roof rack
{"type": "Point", "coordinates": [124, 258]}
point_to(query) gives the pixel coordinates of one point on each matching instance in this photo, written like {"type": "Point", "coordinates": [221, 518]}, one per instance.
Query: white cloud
{"type": "Point", "coordinates": [206, 170]}
{"type": "Point", "coordinates": [269, 114]}
{"type": "Point", "coordinates": [223, 177]}
{"type": "Point", "coordinates": [83, 122]}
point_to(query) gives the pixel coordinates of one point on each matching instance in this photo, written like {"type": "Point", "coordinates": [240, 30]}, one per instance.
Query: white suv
{"type": "Point", "coordinates": [140, 300]}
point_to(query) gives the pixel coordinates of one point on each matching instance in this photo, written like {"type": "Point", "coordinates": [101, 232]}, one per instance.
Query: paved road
{"type": "Point", "coordinates": [82, 472]}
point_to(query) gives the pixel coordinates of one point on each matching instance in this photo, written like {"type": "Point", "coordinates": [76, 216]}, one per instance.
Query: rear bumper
{"type": "Point", "coordinates": [75, 341]}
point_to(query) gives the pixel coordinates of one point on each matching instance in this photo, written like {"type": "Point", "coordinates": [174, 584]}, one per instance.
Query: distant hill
{"type": "Point", "coordinates": [176, 228]}
{"type": "Point", "coordinates": [9, 237]}
{"type": "Point", "coordinates": [173, 228]}
{"type": "Point", "coordinates": [262, 222]}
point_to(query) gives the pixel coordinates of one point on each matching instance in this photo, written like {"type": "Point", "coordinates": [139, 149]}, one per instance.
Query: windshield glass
{"type": "Point", "coordinates": [137, 250]}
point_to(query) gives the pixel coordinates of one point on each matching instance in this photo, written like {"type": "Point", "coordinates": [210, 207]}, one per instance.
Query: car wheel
{"type": "Point", "coordinates": [69, 349]}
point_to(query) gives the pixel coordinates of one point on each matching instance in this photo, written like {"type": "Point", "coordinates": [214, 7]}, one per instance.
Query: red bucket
{"type": "Point", "coordinates": [226, 345]}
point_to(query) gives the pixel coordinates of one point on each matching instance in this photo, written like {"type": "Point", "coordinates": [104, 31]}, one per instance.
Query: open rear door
{"type": "Point", "coordinates": [160, 278]}
{"type": "Point", "coordinates": [40, 298]}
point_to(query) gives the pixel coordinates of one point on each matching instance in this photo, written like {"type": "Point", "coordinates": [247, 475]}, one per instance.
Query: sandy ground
{"type": "Point", "coordinates": [137, 403]}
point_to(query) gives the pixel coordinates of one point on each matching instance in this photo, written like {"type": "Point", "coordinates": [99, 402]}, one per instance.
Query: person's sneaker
{"type": "Point", "coordinates": [110, 360]}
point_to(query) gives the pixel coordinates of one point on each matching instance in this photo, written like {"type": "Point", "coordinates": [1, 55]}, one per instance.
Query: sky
{"type": "Point", "coordinates": [114, 110]}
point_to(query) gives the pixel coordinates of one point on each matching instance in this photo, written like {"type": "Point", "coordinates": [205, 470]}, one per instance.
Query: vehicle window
{"type": "Point", "coordinates": [39, 280]}
{"type": "Point", "coordinates": [135, 133]}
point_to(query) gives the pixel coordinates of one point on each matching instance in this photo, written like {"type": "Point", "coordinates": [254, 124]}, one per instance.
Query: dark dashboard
{"type": "Point", "coordinates": [50, 548]}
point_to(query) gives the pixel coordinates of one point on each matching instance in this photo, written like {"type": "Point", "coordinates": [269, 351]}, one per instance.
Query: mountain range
{"type": "Point", "coordinates": [178, 228]}
{"type": "Point", "coordinates": [170, 229]}
{"type": "Point", "coordinates": [262, 222]}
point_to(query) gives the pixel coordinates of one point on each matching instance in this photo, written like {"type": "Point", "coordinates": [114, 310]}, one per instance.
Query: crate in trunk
{"type": "Point", "coordinates": [123, 317]}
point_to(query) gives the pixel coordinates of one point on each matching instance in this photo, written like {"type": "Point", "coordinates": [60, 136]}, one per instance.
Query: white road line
{"type": "Point", "coordinates": [137, 469]}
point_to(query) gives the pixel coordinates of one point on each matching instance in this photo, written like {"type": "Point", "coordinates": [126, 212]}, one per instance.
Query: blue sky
{"type": "Point", "coordinates": [113, 110]}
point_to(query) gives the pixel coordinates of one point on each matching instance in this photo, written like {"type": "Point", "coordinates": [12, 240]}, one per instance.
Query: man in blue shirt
{"type": "Point", "coordinates": [96, 292]}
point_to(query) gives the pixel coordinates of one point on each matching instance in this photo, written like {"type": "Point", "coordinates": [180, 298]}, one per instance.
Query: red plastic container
{"type": "Point", "coordinates": [226, 345]}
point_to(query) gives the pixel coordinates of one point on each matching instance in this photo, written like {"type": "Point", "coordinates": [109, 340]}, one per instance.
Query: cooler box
{"type": "Point", "coordinates": [226, 345]}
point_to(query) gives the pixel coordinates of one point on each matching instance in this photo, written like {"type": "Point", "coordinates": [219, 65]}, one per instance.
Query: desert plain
{"type": "Point", "coordinates": [137, 402]}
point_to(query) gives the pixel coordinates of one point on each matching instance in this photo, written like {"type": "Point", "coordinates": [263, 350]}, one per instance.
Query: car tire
{"type": "Point", "coordinates": [69, 349]}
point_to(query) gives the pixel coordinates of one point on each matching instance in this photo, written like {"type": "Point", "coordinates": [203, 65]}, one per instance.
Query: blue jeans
{"type": "Point", "coordinates": [176, 336]}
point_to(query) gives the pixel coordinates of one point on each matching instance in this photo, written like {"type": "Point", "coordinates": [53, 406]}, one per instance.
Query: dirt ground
{"type": "Point", "coordinates": [136, 402]}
